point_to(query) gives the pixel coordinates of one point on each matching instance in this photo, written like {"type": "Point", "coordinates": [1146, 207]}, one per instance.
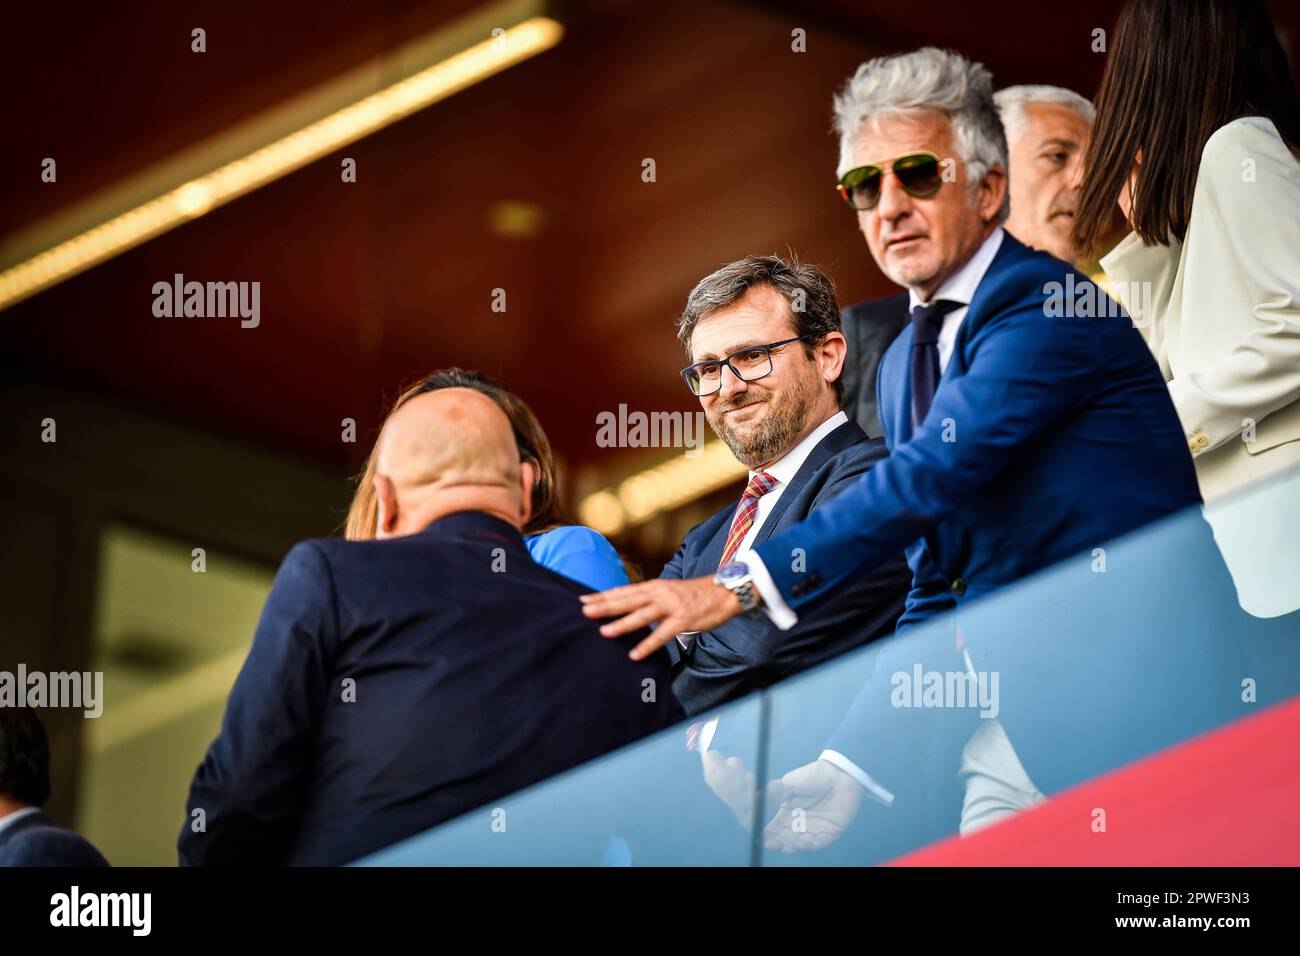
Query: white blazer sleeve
{"type": "Point", "coordinates": [1247, 210]}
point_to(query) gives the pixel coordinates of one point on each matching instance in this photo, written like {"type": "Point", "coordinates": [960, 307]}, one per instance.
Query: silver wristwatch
{"type": "Point", "coordinates": [735, 577]}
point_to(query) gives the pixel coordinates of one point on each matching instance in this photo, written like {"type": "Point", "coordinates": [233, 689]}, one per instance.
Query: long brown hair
{"type": "Point", "coordinates": [1177, 71]}
{"type": "Point", "coordinates": [548, 511]}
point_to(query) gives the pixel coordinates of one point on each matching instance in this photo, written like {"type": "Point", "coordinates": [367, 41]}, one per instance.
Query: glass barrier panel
{"type": "Point", "coordinates": [664, 800]}
{"type": "Point", "coordinates": [1090, 665]}
{"type": "Point", "coordinates": [947, 727]}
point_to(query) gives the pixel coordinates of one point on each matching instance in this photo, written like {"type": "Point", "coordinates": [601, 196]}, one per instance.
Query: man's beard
{"type": "Point", "coordinates": [775, 433]}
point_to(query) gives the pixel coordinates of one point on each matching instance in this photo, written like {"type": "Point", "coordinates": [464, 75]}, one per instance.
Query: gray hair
{"type": "Point", "coordinates": [928, 80]}
{"type": "Point", "coordinates": [808, 291]}
{"type": "Point", "coordinates": [1011, 103]}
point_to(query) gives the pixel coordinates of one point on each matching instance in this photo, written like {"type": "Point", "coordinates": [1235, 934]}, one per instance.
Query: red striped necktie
{"type": "Point", "coordinates": [759, 485]}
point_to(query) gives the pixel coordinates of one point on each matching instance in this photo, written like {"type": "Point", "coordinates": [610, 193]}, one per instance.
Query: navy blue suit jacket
{"type": "Point", "coordinates": [748, 653]}
{"type": "Point", "coordinates": [472, 673]}
{"type": "Point", "coordinates": [35, 841]}
{"type": "Point", "coordinates": [1048, 435]}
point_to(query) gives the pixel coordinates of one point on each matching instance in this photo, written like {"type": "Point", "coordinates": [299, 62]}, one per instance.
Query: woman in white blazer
{"type": "Point", "coordinates": [1197, 138]}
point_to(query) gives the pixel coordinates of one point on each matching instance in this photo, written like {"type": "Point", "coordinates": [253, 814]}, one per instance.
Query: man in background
{"type": "Point", "coordinates": [27, 837]}
{"type": "Point", "coordinates": [1048, 128]}
{"type": "Point", "coordinates": [399, 682]}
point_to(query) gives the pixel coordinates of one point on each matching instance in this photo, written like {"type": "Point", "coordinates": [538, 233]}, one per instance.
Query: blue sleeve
{"type": "Point", "coordinates": [1026, 372]}
{"type": "Point", "coordinates": [929, 594]}
{"type": "Point", "coordinates": [581, 554]}
{"type": "Point", "coordinates": [251, 783]}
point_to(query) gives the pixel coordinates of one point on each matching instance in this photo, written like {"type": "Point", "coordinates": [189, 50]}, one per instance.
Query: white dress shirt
{"type": "Point", "coordinates": [784, 470]}
{"type": "Point", "coordinates": [959, 287]}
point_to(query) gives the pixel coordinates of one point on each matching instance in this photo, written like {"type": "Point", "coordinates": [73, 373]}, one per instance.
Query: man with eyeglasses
{"type": "Point", "coordinates": [764, 340]}
{"type": "Point", "coordinates": [1020, 436]}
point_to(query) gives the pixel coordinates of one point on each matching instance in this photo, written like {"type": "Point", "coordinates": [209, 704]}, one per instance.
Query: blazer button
{"type": "Point", "coordinates": [959, 587]}
{"type": "Point", "coordinates": [1202, 440]}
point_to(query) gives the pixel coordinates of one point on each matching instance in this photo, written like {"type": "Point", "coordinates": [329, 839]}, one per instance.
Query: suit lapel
{"type": "Point", "coordinates": [846, 436]}
{"type": "Point", "coordinates": [706, 561]}
{"type": "Point", "coordinates": [1009, 253]}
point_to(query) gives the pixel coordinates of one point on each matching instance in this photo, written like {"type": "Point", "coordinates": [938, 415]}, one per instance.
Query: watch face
{"type": "Point", "coordinates": [732, 570]}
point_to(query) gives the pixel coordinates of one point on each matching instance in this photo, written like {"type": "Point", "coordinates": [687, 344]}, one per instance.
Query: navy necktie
{"type": "Point", "coordinates": [927, 320]}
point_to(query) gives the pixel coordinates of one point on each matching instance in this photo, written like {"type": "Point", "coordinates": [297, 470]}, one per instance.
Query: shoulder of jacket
{"type": "Point", "coordinates": [849, 464]}
{"type": "Point", "coordinates": [1232, 144]}
{"type": "Point", "coordinates": [1028, 281]}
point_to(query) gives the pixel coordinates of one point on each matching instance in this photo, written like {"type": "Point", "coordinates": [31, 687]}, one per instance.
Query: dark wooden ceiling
{"type": "Point", "coordinates": [367, 285]}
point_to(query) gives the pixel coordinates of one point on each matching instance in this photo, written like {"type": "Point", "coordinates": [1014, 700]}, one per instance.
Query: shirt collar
{"type": "Point", "coordinates": [787, 466]}
{"type": "Point", "coordinates": [7, 822]}
{"type": "Point", "coordinates": [961, 285]}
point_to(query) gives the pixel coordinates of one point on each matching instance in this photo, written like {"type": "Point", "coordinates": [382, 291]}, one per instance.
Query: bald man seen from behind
{"type": "Point", "coordinates": [396, 683]}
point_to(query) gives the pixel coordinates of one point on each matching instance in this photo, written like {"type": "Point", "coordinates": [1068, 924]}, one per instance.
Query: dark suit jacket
{"type": "Point", "coordinates": [395, 684]}
{"type": "Point", "coordinates": [35, 841]}
{"type": "Point", "coordinates": [747, 652]}
{"type": "Point", "coordinates": [869, 328]}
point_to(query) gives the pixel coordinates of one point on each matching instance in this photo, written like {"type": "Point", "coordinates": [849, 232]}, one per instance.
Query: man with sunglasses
{"type": "Point", "coordinates": [763, 336]}
{"type": "Point", "coordinates": [1019, 437]}
{"type": "Point", "coordinates": [1047, 129]}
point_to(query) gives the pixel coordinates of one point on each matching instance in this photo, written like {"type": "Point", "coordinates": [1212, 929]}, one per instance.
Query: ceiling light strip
{"type": "Point", "coordinates": [233, 179]}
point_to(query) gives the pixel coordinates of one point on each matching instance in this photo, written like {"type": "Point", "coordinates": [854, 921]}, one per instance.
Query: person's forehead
{"type": "Point", "coordinates": [1044, 121]}
{"type": "Point", "coordinates": [760, 317]}
{"type": "Point", "coordinates": [887, 136]}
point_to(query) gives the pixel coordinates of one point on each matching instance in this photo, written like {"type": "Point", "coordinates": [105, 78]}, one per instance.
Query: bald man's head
{"type": "Point", "coordinates": [445, 451]}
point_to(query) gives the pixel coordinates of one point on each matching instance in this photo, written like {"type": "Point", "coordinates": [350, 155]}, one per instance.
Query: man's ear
{"type": "Point", "coordinates": [527, 478]}
{"type": "Point", "coordinates": [830, 355]}
{"type": "Point", "coordinates": [993, 189]}
{"type": "Point", "coordinates": [385, 507]}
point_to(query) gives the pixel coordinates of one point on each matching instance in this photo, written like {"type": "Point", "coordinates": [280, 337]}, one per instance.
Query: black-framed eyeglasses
{"type": "Point", "coordinates": [920, 174]}
{"type": "Point", "coordinates": [748, 364]}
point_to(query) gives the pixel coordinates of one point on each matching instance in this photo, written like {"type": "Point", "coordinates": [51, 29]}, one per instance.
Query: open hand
{"type": "Point", "coordinates": [696, 604]}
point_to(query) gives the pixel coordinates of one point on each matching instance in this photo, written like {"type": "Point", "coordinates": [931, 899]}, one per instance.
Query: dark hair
{"type": "Point", "coordinates": [24, 756]}
{"type": "Point", "coordinates": [799, 283]}
{"type": "Point", "coordinates": [1177, 71]}
{"type": "Point", "coordinates": [547, 512]}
